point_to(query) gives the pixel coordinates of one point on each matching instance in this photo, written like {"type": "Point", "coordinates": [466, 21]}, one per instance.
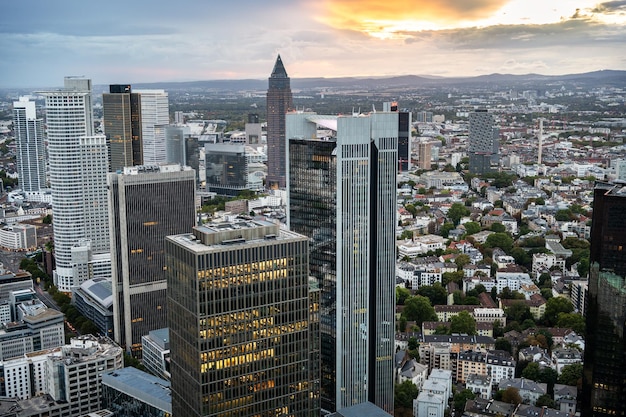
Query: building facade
{"type": "Point", "coordinates": [484, 146]}
{"type": "Point", "coordinates": [78, 166]}
{"type": "Point", "coordinates": [31, 161]}
{"type": "Point", "coordinates": [279, 101]}
{"type": "Point", "coordinates": [604, 386]}
{"type": "Point", "coordinates": [154, 117]}
{"type": "Point", "coordinates": [148, 203]}
{"type": "Point", "coordinates": [230, 169]}
{"type": "Point", "coordinates": [122, 126]}
{"type": "Point", "coordinates": [239, 317]}
{"type": "Point", "coordinates": [342, 196]}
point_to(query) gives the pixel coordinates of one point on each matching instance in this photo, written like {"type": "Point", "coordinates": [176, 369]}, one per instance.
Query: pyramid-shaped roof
{"type": "Point", "coordinates": [279, 69]}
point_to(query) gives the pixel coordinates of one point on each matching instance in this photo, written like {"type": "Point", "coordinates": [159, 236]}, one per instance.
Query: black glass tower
{"type": "Point", "coordinates": [122, 126]}
{"type": "Point", "coordinates": [604, 376]}
{"type": "Point", "coordinates": [279, 101]}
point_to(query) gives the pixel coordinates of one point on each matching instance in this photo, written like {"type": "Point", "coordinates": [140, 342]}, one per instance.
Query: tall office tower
{"type": "Point", "coordinates": [146, 204]}
{"type": "Point", "coordinates": [279, 101]}
{"type": "Point", "coordinates": [342, 196]}
{"type": "Point", "coordinates": [154, 114]}
{"type": "Point", "coordinates": [175, 152]}
{"type": "Point", "coordinates": [239, 313]}
{"type": "Point", "coordinates": [604, 377]}
{"type": "Point", "coordinates": [253, 129]}
{"type": "Point", "coordinates": [31, 163]}
{"type": "Point", "coordinates": [230, 168]}
{"type": "Point", "coordinates": [122, 126]}
{"type": "Point", "coordinates": [484, 146]}
{"type": "Point", "coordinates": [78, 166]}
{"type": "Point", "coordinates": [424, 156]}
{"type": "Point", "coordinates": [404, 135]}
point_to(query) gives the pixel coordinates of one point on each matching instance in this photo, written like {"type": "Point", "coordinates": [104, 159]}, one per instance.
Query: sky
{"type": "Point", "coordinates": [133, 41]}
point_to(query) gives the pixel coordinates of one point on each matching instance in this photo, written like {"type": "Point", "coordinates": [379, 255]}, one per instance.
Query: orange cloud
{"type": "Point", "coordinates": [377, 17]}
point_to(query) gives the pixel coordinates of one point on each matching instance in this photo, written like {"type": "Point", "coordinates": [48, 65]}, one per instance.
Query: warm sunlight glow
{"type": "Point", "coordinates": [400, 19]}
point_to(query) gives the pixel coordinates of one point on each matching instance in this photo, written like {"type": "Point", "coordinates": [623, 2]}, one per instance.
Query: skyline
{"type": "Point", "coordinates": [155, 42]}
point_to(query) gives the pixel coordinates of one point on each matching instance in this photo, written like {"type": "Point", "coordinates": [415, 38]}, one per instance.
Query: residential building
{"type": "Point", "coordinates": [528, 389]}
{"type": "Point", "coordinates": [279, 102]}
{"type": "Point", "coordinates": [342, 194]}
{"type": "Point", "coordinates": [155, 347]}
{"type": "Point", "coordinates": [483, 142]}
{"type": "Point", "coordinates": [147, 203]}
{"type": "Point", "coordinates": [26, 376]}
{"type": "Point", "coordinates": [470, 363]}
{"type": "Point", "coordinates": [154, 110]}
{"type": "Point", "coordinates": [129, 392]}
{"type": "Point", "coordinates": [75, 376]}
{"type": "Point", "coordinates": [604, 386]}
{"type": "Point", "coordinates": [565, 397]}
{"type": "Point", "coordinates": [480, 385]}
{"type": "Point", "coordinates": [31, 157]}
{"type": "Point", "coordinates": [428, 404]}
{"type": "Point", "coordinates": [121, 118]}
{"type": "Point", "coordinates": [239, 313]}
{"type": "Point", "coordinates": [78, 164]}
{"type": "Point", "coordinates": [563, 356]}
{"type": "Point", "coordinates": [500, 365]}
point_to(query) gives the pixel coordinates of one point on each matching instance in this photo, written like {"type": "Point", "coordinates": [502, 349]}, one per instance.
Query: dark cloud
{"type": "Point", "coordinates": [610, 7]}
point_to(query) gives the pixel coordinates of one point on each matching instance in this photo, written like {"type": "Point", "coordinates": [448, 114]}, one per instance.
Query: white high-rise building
{"type": "Point", "coordinates": [31, 163]}
{"type": "Point", "coordinates": [78, 172]}
{"type": "Point", "coordinates": [154, 117]}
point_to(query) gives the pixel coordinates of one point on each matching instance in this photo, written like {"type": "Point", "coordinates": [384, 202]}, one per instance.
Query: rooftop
{"type": "Point", "coordinates": [147, 388]}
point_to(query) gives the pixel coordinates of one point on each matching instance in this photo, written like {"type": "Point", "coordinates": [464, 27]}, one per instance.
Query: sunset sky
{"type": "Point", "coordinates": [135, 41]}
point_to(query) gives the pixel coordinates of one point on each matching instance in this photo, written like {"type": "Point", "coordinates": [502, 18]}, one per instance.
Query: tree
{"type": "Point", "coordinates": [571, 374]}
{"type": "Point", "coordinates": [461, 397]}
{"type": "Point", "coordinates": [47, 219]}
{"type": "Point", "coordinates": [498, 228]}
{"type": "Point", "coordinates": [463, 323]}
{"type": "Point", "coordinates": [532, 371]}
{"type": "Point", "coordinates": [419, 310]}
{"type": "Point", "coordinates": [563, 215]}
{"type": "Point", "coordinates": [545, 400]}
{"type": "Point", "coordinates": [472, 227]}
{"type": "Point", "coordinates": [404, 394]}
{"type": "Point", "coordinates": [445, 229]}
{"type": "Point", "coordinates": [406, 234]}
{"type": "Point", "coordinates": [503, 344]}
{"type": "Point", "coordinates": [499, 240]}
{"type": "Point", "coordinates": [402, 324]}
{"type": "Point", "coordinates": [554, 306]}
{"type": "Point", "coordinates": [401, 295]}
{"type": "Point", "coordinates": [436, 293]}
{"type": "Point", "coordinates": [548, 376]}
{"type": "Point", "coordinates": [462, 260]}
{"type": "Point", "coordinates": [573, 321]}
{"type": "Point", "coordinates": [456, 212]}
{"type": "Point", "coordinates": [447, 277]}
{"type": "Point", "coordinates": [518, 311]}
{"type": "Point", "coordinates": [511, 396]}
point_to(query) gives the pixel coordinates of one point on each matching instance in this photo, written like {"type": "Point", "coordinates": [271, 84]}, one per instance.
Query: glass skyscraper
{"type": "Point", "coordinates": [342, 196]}
{"type": "Point", "coordinates": [484, 146]}
{"type": "Point", "coordinates": [122, 126]}
{"type": "Point", "coordinates": [241, 316]}
{"type": "Point", "coordinates": [604, 376]}
{"type": "Point", "coordinates": [147, 203]}
{"type": "Point", "coordinates": [279, 101]}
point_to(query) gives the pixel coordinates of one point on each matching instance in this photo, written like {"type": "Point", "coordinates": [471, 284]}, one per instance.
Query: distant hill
{"type": "Point", "coordinates": [596, 78]}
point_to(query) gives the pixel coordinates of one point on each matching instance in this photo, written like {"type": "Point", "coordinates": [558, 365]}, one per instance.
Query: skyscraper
{"type": "Point", "coordinates": [122, 126]}
{"type": "Point", "coordinates": [78, 166]}
{"type": "Point", "coordinates": [239, 313]}
{"type": "Point", "coordinates": [424, 155]}
{"type": "Point", "coordinates": [404, 135]}
{"type": "Point", "coordinates": [279, 101]}
{"type": "Point", "coordinates": [147, 204]}
{"type": "Point", "coordinates": [31, 163]}
{"type": "Point", "coordinates": [604, 376]}
{"type": "Point", "coordinates": [342, 196]}
{"type": "Point", "coordinates": [484, 146]}
{"type": "Point", "coordinates": [154, 117]}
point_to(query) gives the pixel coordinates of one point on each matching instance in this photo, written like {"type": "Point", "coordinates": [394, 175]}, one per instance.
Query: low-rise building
{"type": "Point", "coordinates": [561, 357]}
{"type": "Point", "coordinates": [528, 389]}
{"type": "Point", "coordinates": [480, 385]}
{"type": "Point", "coordinates": [155, 348]}
{"type": "Point", "coordinates": [130, 392]}
{"type": "Point", "coordinates": [500, 365]}
{"type": "Point", "coordinates": [428, 404]}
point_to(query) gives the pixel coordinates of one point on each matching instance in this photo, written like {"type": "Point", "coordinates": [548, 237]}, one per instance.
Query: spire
{"type": "Point", "coordinates": [279, 69]}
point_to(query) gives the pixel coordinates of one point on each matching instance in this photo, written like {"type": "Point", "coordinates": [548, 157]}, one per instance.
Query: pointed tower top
{"type": "Point", "coordinates": [279, 69]}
